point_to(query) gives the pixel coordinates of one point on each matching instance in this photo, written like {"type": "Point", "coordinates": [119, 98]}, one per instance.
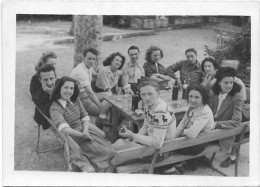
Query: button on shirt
{"type": "Point", "coordinates": [131, 72]}
{"type": "Point", "coordinates": [83, 75]}
{"type": "Point", "coordinates": [106, 79]}
{"type": "Point", "coordinates": [187, 70]}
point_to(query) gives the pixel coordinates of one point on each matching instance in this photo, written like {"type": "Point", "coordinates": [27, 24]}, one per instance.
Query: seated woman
{"type": "Point", "coordinates": [153, 68]}
{"type": "Point", "coordinates": [210, 67]}
{"type": "Point", "coordinates": [226, 104]}
{"type": "Point", "coordinates": [70, 117]}
{"type": "Point", "coordinates": [108, 76]}
{"type": "Point", "coordinates": [47, 57]}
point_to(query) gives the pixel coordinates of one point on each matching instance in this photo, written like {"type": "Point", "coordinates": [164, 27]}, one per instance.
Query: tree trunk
{"type": "Point", "coordinates": [87, 33]}
{"type": "Point", "coordinates": [71, 32]}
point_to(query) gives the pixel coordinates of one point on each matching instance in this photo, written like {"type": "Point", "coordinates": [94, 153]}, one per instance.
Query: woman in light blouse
{"type": "Point", "coordinates": [70, 117]}
{"type": "Point", "coordinates": [108, 76]}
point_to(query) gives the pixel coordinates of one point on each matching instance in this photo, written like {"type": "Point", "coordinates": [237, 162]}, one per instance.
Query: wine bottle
{"type": "Point", "coordinates": [175, 90]}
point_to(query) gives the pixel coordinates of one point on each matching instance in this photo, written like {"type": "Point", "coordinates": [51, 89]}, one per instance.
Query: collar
{"type": "Point", "coordinates": [197, 63]}
{"type": "Point", "coordinates": [86, 66]}
{"type": "Point", "coordinates": [223, 96]}
{"type": "Point", "coordinates": [132, 64]}
{"type": "Point", "coordinates": [63, 102]}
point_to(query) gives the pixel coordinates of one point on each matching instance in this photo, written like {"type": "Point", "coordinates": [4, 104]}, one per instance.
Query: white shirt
{"type": "Point", "coordinates": [83, 75]}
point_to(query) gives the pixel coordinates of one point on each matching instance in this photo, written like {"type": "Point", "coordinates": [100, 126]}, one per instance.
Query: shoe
{"type": "Point", "coordinates": [101, 122]}
{"type": "Point", "coordinates": [191, 164]}
{"type": "Point", "coordinates": [227, 162]}
{"type": "Point", "coordinates": [180, 169]}
{"type": "Point", "coordinates": [204, 161]}
{"type": "Point", "coordinates": [172, 171]}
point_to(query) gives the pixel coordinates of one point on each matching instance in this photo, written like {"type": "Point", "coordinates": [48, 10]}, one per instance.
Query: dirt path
{"type": "Point", "coordinates": [30, 47]}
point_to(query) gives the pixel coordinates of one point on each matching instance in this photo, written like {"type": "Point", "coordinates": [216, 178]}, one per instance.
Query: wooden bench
{"type": "Point", "coordinates": [126, 155]}
{"type": "Point", "coordinates": [73, 153]}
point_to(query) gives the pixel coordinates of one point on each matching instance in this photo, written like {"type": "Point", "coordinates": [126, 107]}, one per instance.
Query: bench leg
{"type": "Point", "coordinates": [212, 158]}
{"type": "Point", "coordinates": [217, 170]}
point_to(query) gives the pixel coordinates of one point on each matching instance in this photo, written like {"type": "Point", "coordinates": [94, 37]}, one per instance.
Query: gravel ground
{"type": "Point", "coordinates": [33, 40]}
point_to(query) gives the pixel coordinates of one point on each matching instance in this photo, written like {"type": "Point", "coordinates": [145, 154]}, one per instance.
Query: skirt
{"type": "Point", "coordinates": [98, 149]}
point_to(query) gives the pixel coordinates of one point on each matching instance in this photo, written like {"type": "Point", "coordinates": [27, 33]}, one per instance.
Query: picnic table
{"type": "Point", "coordinates": [121, 106]}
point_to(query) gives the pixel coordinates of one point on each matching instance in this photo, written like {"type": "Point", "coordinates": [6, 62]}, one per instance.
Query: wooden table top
{"type": "Point", "coordinates": [119, 103]}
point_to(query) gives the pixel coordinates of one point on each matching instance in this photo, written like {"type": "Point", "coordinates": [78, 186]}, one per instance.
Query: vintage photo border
{"type": "Point", "coordinates": [26, 178]}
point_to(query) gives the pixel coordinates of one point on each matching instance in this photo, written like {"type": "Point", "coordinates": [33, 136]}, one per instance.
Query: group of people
{"type": "Point", "coordinates": [214, 96]}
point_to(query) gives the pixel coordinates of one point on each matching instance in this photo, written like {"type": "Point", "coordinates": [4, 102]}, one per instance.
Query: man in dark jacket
{"type": "Point", "coordinates": [189, 69]}
{"type": "Point", "coordinates": [42, 97]}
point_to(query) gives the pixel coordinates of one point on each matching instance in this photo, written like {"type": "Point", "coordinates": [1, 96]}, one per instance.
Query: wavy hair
{"type": "Point", "coordinates": [56, 92]}
{"type": "Point", "coordinates": [221, 74]}
{"type": "Point", "coordinates": [108, 60]}
{"type": "Point", "coordinates": [149, 52]}
{"type": "Point", "coordinates": [209, 59]}
{"type": "Point", "coordinates": [204, 92]}
{"type": "Point", "coordinates": [43, 59]}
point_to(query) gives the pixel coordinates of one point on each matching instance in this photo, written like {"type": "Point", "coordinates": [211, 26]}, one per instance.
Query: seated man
{"type": "Point", "coordinates": [189, 68]}
{"type": "Point", "coordinates": [94, 104]}
{"type": "Point", "coordinates": [41, 98]}
{"type": "Point", "coordinates": [159, 124]}
{"type": "Point", "coordinates": [132, 71]}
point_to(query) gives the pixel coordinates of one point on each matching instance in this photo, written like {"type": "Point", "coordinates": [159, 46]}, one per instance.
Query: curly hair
{"type": "Point", "coordinates": [150, 51]}
{"type": "Point", "coordinates": [221, 74]}
{"type": "Point", "coordinates": [203, 90]}
{"type": "Point", "coordinates": [43, 59]}
{"type": "Point", "coordinates": [108, 60]}
{"type": "Point", "coordinates": [56, 92]}
{"type": "Point", "coordinates": [209, 59]}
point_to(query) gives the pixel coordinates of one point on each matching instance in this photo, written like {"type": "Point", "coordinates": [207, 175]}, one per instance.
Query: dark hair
{"type": "Point", "coordinates": [204, 92]}
{"type": "Point", "coordinates": [108, 60]}
{"type": "Point", "coordinates": [46, 68]}
{"type": "Point", "coordinates": [91, 50]}
{"type": "Point", "coordinates": [43, 59]}
{"type": "Point", "coordinates": [133, 47]}
{"type": "Point", "coordinates": [56, 92]}
{"type": "Point", "coordinates": [191, 50]}
{"type": "Point", "coordinates": [150, 51]}
{"type": "Point", "coordinates": [209, 59]}
{"type": "Point", "coordinates": [149, 82]}
{"type": "Point", "coordinates": [222, 73]}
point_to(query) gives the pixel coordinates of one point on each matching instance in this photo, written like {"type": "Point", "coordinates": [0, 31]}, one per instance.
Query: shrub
{"type": "Point", "coordinates": [237, 48]}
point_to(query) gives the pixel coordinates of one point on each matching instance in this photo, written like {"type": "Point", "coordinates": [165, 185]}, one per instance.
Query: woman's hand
{"type": "Point", "coordinates": [125, 133]}
{"type": "Point", "coordinates": [86, 135]}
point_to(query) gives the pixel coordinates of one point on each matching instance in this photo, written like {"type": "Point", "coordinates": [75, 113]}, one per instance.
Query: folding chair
{"type": "Point", "coordinates": [38, 150]}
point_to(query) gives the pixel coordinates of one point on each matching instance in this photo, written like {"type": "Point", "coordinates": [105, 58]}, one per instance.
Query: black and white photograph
{"type": "Point", "coordinates": [160, 93]}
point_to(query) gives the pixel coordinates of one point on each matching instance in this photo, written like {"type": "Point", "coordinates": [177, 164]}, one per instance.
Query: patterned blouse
{"type": "Point", "coordinates": [196, 121]}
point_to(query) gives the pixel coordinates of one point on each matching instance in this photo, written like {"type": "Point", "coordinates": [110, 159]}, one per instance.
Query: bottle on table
{"type": "Point", "coordinates": [185, 88]}
{"type": "Point", "coordinates": [135, 100]}
{"type": "Point", "coordinates": [175, 90]}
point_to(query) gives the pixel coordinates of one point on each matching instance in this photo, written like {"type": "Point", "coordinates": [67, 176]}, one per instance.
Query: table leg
{"type": "Point", "coordinates": [115, 121]}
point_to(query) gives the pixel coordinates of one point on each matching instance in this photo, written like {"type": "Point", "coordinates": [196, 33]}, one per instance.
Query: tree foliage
{"type": "Point", "coordinates": [237, 48]}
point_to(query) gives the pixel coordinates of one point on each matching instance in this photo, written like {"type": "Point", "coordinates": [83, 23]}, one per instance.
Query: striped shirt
{"type": "Point", "coordinates": [68, 114]}
{"type": "Point", "coordinates": [159, 123]}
